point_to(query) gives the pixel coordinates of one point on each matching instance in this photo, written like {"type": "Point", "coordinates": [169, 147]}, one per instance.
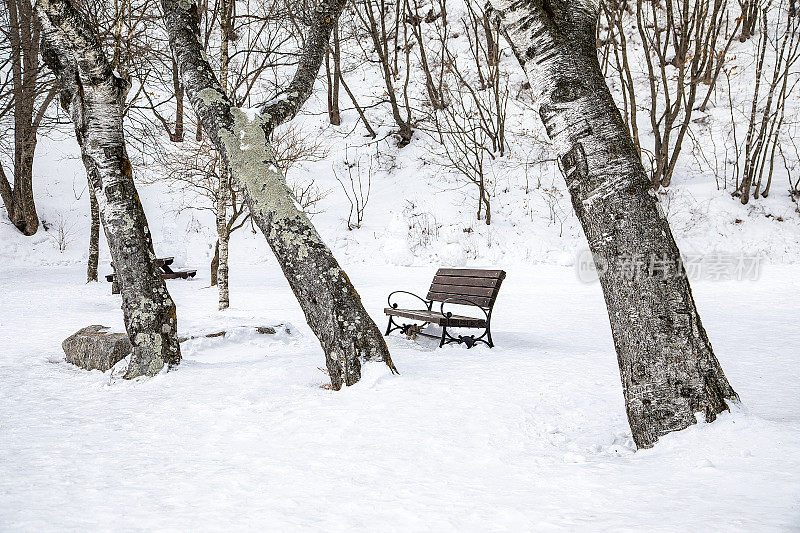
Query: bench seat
{"type": "Point", "coordinates": [451, 288]}
{"type": "Point", "coordinates": [434, 317]}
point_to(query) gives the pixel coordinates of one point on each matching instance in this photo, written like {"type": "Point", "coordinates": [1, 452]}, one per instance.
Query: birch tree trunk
{"type": "Point", "coordinates": [223, 239]}
{"type": "Point", "coordinates": [332, 307]}
{"type": "Point", "coordinates": [95, 95]}
{"type": "Point", "coordinates": [223, 194]}
{"type": "Point", "coordinates": [668, 368]}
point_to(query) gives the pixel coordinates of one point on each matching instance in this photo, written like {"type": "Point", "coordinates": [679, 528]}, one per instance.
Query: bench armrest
{"type": "Point", "coordinates": [428, 303]}
{"type": "Point", "coordinates": [462, 301]}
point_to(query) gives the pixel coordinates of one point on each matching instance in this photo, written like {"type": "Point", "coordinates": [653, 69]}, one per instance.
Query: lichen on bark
{"type": "Point", "coordinates": [668, 369]}
{"type": "Point", "coordinates": [331, 304]}
{"type": "Point", "coordinates": [95, 95]}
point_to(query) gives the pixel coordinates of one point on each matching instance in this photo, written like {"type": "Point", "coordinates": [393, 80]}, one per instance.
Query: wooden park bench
{"type": "Point", "coordinates": [452, 286]}
{"type": "Point", "coordinates": [163, 265]}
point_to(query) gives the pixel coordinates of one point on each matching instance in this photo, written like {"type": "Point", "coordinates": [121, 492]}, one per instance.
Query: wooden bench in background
{"type": "Point", "coordinates": [452, 286]}
{"type": "Point", "coordinates": [163, 265]}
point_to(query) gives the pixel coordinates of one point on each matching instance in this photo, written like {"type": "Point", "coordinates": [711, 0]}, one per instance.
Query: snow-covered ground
{"type": "Point", "coordinates": [531, 435]}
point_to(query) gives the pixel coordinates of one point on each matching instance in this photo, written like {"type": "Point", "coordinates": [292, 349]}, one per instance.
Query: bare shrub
{"type": "Point", "coordinates": [790, 153]}
{"type": "Point", "coordinates": [684, 49]}
{"type": "Point", "coordinates": [381, 20]}
{"type": "Point", "coordinates": [308, 196]}
{"type": "Point", "coordinates": [356, 187]}
{"type": "Point", "coordinates": [423, 228]}
{"type": "Point", "coordinates": [62, 231]}
{"type": "Point", "coordinates": [556, 214]}
{"type": "Point", "coordinates": [470, 127]}
{"type": "Point", "coordinates": [778, 44]}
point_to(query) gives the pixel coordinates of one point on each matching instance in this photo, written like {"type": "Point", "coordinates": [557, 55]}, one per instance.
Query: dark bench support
{"type": "Point", "coordinates": [163, 265]}
{"type": "Point", "coordinates": [467, 287]}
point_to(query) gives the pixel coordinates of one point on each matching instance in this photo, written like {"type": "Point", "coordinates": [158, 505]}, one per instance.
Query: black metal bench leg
{"type": "Point", "coordinates": [489, 337]}
{"type": "Point", "coordinates": [444, 333]}
{"type": "Point", "coordinates": [389, 327]}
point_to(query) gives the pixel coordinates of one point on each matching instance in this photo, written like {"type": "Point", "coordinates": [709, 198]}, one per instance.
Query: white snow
{"type": "Point", "coordinates": [531, 435]}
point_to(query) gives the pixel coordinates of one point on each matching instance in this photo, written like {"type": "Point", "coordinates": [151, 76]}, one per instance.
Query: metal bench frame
{"type": "Point", "coordinates": [163, 265]}
{"type": "Point", "coordinates": [447, 319]}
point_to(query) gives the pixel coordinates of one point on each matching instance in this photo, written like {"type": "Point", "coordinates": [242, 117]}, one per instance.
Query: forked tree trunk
{"type": "Point", "coordinates": [331, 304]}
{"type": "Point", "coordinates": [668, 369]}
{"type": "Point", "coordinates": [94, 237]}
{"type": "Point", "coordinates": [96, 95]}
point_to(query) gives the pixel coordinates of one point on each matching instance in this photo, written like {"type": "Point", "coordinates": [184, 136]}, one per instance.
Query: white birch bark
{"type": "Point", "coordinates": [95, 95]}
{"type": "Point", "coordinates": [223, 241]}
{"type": "Point", "coordinates": [332, 307]}
{"type": "Point", "coordinates": [669, 371]}
{"type": "Point", "coordinates": [223, 195]}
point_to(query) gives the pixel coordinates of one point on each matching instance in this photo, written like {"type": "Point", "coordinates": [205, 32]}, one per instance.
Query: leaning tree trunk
{"type": "Point", "coordinates": [668, 369]}
{"type": "Point", "coordinates": [96, 95]}
{"type": "Point", "coordinates": [332, 307]}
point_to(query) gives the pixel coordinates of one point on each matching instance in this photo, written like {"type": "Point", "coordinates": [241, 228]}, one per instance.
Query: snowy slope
{"type": "Point", "coordinates": [419, 213]}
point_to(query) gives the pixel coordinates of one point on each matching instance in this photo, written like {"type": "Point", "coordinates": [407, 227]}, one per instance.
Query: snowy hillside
{"type": "Point", "coordinates": [419, 211]}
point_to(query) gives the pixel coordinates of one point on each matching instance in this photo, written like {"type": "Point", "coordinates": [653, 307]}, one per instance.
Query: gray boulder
{"type": "Point", "coordinates": [92, 348]}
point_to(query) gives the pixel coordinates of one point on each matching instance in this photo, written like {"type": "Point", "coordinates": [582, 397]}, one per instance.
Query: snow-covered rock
{"type": "Point", "coordinates": [94, 348]}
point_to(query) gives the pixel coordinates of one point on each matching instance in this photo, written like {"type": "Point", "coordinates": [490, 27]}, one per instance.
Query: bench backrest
{"type": "Point", "coordinates": [479, 286]}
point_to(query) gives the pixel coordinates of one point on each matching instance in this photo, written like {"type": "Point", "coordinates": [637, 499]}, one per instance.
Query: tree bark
{"type": "Point", "coordinates": [215, 265]}
{"type": "Point", "coordinates": [359, 109]}
{"type": "Point", "coordinates": [223, 239]}
{"type": "Point", "coordinates": [94, 237]}
{"type": "Point", "coordinates": [334, 116]}
{"type": "Point", "coordinates": [177, 87]}
{"type": "Point", "coordinates": [23, 33]}
{"type": "Point", "coordinates": [6, 192]}
{"type": "Point", "coordinates": [22, 210]}
{"type": "Point", "coordinates": [332, 307]}
{"type": "Point", "coordinates": [223, 193]}
{"type": "Point", "coordinates": [96, 96]}
{"type": "Point", "coordinates": [668, 369]}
